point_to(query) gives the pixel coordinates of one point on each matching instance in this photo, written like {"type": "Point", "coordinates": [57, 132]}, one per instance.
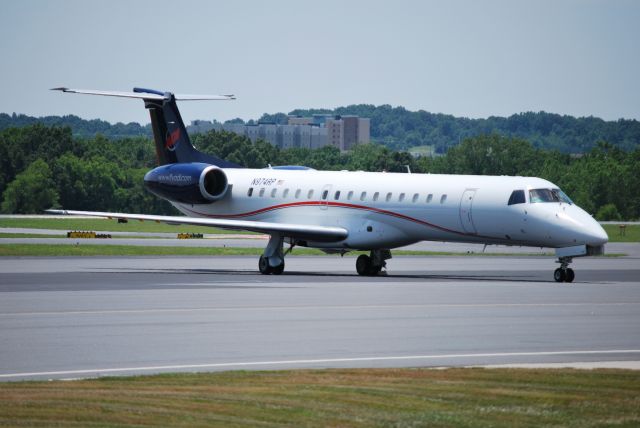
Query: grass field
{"type": "Point", "coordinates": [131, 250]}
{"type": "Point", "coordinates": [21, 250]}
{"type": "Point", "coordinates": [105, 225]}
{"type": "Point", "coordinates": [346, 398]}
{"type": "Point", "coordinates": [632, 233]}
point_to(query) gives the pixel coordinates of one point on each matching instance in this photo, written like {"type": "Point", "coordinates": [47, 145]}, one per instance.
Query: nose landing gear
{"type": "Point", "coordinates": [564, 273]}
{"type": "Point", "coordinates": [272, 261]}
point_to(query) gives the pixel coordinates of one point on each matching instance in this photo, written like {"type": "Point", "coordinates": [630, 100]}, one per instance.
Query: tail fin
{"type": "Point", "coordinates": [169, 133]}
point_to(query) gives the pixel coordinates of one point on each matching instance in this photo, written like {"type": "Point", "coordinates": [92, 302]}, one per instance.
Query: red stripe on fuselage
{"type": "Point", "coordinates": [338, 205]}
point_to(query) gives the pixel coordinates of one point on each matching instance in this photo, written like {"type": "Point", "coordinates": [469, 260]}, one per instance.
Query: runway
{"type": "Point", "coordinates": [97, 316]}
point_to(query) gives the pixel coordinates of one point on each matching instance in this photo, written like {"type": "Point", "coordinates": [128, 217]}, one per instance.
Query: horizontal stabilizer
{"type": "Point", "coordinates": [146, 94]}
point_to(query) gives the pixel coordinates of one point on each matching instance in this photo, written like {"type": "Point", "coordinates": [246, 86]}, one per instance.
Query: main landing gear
{"type": "Point", "coordinates": [372, 265]}
{"type": "Point", "coordinates": [272, 260]}
{"type": "Point", "coordinates": [564, 273]}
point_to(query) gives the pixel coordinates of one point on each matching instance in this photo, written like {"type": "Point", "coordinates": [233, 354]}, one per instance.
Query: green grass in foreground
{"type": "Point", "coordinates": [131, 250]}
{"type": "Point", "coordinates": [103, 225]}
{"type": "Point", "coordinates": [345, 398]}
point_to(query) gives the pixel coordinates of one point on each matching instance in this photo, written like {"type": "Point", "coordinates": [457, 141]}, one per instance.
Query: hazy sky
{"type": "Point", "coordinates": [466, 58]}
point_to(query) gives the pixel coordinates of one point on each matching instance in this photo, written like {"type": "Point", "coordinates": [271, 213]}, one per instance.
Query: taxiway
{"type": "Point", "coordinates": [94, 316]}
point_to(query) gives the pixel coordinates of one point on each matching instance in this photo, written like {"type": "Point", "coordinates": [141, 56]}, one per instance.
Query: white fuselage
{"type": "Point", "coordinates": [389, 210]}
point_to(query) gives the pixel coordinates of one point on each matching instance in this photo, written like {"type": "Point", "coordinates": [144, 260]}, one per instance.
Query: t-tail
{"type": "Point", "coordinates": [169, 132]}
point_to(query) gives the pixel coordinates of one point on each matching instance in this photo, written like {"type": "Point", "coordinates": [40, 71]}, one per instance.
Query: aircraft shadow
{"type": "Point", "coordinates": [289, 275]}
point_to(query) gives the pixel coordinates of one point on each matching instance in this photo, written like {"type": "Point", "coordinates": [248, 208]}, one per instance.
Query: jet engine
{"type": "Point", "coordinates": [191, 183]}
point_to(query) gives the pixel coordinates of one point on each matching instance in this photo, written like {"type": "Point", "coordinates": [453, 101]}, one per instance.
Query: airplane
{"type": "Point", "coordinates": [342, 211]}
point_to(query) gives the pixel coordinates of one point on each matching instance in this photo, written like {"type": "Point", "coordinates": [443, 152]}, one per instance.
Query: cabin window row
{"type": "Point", "coordinates": [388, 197]}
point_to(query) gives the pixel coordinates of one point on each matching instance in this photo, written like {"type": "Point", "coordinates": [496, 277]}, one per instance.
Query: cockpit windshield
{"type": "Point", "coordinates": [548, 195]}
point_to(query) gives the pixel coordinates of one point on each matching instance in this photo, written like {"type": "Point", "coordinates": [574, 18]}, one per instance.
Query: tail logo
{"type": "Point", "coordinates": [172, 139]}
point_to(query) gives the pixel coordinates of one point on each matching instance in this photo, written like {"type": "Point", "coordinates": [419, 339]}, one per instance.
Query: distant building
{"type": "Point", "coordinates": [302, 137]}
{"type": "Point", "coordinates": [201, 126]}
{"type": "Point", "coordinates": [253, 132]}
{"type": "Point", "coordinates": [364, 131]}
{"type": "Point", "coordinates": [349, 131]}
{"type": "Point", "coordinates": [318, 137]}
{"type": "Point", "coordinates": [286, 136]}
{"type": "Point", "coordinates": [297, 120]}
{"type": "Point", "coordinates": [335, 132]}
{"type": "Point", "coordinates": [342, 132]}
{"type": "Point", "coordinates": [268, 132]}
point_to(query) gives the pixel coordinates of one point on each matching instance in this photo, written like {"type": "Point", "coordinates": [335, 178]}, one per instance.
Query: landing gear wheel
{"type": "Point", "coordinates": [278, 269]}
{"type": "Point", "coordinates": [363, 265]}
{"type": "Point", "coordinates": [569, 275]}
{"type": "Point", "coordinates": [263, 266]}
{"type": "Point", "coordinates": [374, 270]}
{"type": "Point", "coordinates": [559, 275]}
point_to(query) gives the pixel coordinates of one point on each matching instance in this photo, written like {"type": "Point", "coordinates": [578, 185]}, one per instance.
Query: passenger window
{"type": "Point", "coordinates": [376, 195]}
{"type": "Point", "coordinates": [443, 198]}
{"type": "Point", "coordinates": [298, 193]}
{"type": "Point", "coordinates": [350, 195]}
{"type": "Point", "coordinates": [285, 193]}
{"type": "Point", "coordinates": [273, 192]}
{"type": "Point", "coordinates": [324, 194]}
{"type": "Point", "coordinates": [337, 195]}
{"type": "Point", "coordinates": [363, 196]}
{"type": "Point", "coordinates": [401, 197]}
{"type": "Point", "coordinates": [415, 198]}
{"type": "Point", "coordinates": [517, 197]}
{"type": "Point", "coordinates": [250, 191]}
{"type": "Point", "coordinates": [429, 197]}
{"type": "Point", "coordinates": [310, 194]}
{"type": "Point", "coordinates": [261, 194]}
{"type": "Point", "coordinates": [388, 198]}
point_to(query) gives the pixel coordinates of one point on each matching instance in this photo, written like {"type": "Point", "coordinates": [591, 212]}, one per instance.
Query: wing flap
{"type": "Point", "coordinates": [299, 231]}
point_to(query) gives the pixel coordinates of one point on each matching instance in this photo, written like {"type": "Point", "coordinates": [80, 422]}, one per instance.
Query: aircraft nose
{"type": "Point", "coordinates": [591, 231]}
{"type": "Point", "coordinates": [597, 235]}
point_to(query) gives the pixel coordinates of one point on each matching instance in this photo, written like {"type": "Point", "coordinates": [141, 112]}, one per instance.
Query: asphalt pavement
{"type": "Point", "coordinates": [96, 316]}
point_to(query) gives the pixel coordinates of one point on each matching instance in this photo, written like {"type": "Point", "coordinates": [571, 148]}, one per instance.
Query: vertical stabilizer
{"type": "Point", "coordinates": [170, 134]}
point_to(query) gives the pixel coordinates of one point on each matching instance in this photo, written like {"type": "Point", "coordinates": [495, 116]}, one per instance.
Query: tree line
{"type": "Point", "coordinates": [46, 166]}
{"type": "Point", "coordinates": [400, 129]}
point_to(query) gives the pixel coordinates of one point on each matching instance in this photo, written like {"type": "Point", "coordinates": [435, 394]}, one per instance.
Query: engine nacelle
{"type": "Point", "coordinates": [191, 183]}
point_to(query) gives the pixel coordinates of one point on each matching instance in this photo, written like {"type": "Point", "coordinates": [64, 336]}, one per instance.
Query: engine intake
{"type": "Point", "coordinates": [191, 183]}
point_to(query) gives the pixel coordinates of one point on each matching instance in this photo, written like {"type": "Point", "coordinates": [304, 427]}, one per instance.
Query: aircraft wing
{"type": "Point", "coordinates": [299, 231]}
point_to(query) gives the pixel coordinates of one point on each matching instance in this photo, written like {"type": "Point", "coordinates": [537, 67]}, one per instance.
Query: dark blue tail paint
{"type": "Point", "coordinates": [148, 91]}
{"type": "Point", "coordinates": [171, 139]}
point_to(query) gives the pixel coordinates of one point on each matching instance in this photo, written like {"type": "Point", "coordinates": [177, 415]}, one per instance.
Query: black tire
{"type": "Point", "coordinates": [374, 270]}
{"type": "Point", "coordinates": [363, 265]}
{"type": "Point", "coordinates": [263, 266]}
{"type": "Point", "coordinates": [559, 275]}
{"type": "Point", "coordinates": [569, 275]}
{"type": "Point", "coordinates": [278, 269]}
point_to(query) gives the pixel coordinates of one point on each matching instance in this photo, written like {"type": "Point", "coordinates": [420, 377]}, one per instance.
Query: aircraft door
{"type": "Point", "coordinates": [466, 216]}
{"type": "Point", "coordinates": [325, 196]}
